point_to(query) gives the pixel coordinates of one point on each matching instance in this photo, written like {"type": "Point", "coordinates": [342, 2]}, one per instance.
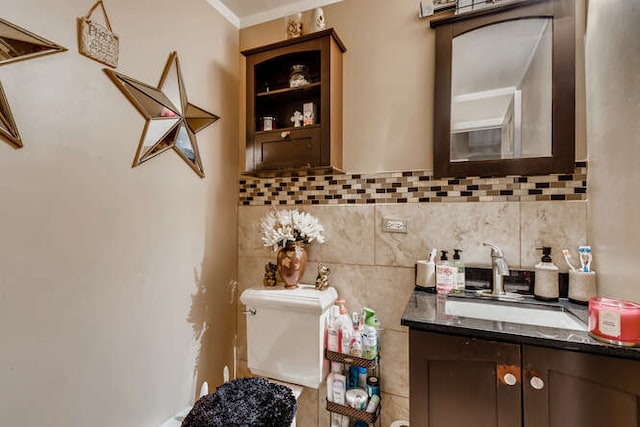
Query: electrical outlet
{"type": "Point", "coordinates": [391, 225]}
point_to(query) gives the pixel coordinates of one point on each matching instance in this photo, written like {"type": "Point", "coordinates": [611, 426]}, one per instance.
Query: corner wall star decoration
{"type": "Point", "coordinates": [171, 121]}
{"type": "Point", "coordinates": [17, 44]}
{"type": "Point", "coordinates": [8, 128]}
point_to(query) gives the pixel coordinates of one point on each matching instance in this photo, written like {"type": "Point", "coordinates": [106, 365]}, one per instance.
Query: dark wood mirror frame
{"type": "Point", "coordinates": [562, 159]}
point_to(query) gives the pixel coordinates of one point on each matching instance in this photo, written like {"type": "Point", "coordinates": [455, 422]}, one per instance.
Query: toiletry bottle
{"type": "Point", "coordinates": [355, 348]}
{"type": "Point", "coordinates": [445, 275]}
{"type": "Point", "coordinates": [459, 265]}
{"type": "Point", "coordinates": [333, 336]}
{"type": "Point", "coordinates": [345, 326]}
{"type": "Point", "coordinates": [546, 277]}
{"type": "Point", "coordinates": [369, 334]}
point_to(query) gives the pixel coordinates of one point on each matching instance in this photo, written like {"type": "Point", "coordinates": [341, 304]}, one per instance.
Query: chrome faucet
{"type": "Point", "coordinates": [500, 269]}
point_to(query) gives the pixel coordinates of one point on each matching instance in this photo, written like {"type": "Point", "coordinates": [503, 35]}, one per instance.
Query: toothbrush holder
{"type": "Point", "coordinates": [582, 286]}
{"type": "Point", "coordinates": [426, 274]}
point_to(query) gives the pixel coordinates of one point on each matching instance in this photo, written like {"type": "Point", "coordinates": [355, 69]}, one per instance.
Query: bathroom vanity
{"type": "Point", "coordinates": [471, 371]}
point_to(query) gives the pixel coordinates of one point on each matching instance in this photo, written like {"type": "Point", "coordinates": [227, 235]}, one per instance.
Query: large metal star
{"type": "Point", "coordinates": [172, 121]}
{"type": "Point", "coordinates": [18, 44]}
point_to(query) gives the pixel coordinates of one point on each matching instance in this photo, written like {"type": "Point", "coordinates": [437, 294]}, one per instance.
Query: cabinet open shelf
{"type": "Point", "coordinates": [288, 129]}
{"type": "Point", "coordinates": [288, 90]}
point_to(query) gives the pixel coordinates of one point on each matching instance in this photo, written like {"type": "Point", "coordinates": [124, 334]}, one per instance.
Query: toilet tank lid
{"type": "Point", "coordinates": [304, 298]}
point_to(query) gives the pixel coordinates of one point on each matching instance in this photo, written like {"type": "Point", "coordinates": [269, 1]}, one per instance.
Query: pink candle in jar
{"type": "Point", "coordinates": [615, 321]}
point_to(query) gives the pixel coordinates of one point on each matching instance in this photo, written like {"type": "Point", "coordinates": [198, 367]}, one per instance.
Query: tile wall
{"type": "Point", "coordinates": [376, 269]}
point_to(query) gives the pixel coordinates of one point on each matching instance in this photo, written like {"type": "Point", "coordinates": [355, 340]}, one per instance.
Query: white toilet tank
{"type": "Point", "coordinates": [285, 336]}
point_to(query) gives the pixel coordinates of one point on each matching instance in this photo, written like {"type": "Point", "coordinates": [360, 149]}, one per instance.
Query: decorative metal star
{"type": "Point", "coordinates": [172, 121]}
{"type": "Point", "coordinates": [17, 44]}
{"type": "Point", "coordinates": [8, 128]}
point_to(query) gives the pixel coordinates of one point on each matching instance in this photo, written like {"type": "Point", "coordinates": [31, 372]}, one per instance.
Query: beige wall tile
{"type": "Point", "coordinates": [394, 370]}
{"type": "Point", "coordinates": [446, 226]}
{"type": "Point", "coordinates": [251, 271]}
{"type": "Point", "coordinates": [393, 408]}
{"type": "Point", "coordinates": [559, 225]}
{"type": "Point", "coordinates": [384, 289]}
{"type": "Point", "coordinates": [249, 234]}
{"type": "Point", "coordinates": [349, 234]}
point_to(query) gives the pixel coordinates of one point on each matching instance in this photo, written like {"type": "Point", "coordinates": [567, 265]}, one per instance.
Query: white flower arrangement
{"type": "Point", "coordinates": [284, 226]}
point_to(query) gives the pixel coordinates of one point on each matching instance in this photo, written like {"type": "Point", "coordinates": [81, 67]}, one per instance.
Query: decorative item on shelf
{"type": "Point", "coordinates": [293, 24]}
{"type": "Point", "coordinates": [322, 280]}
{"type": "Point", "coordinates": [317, 20]}
{"type": "Point", "coordinates": [172, 121]}
{"type": "Point", "coordinates": [287, 231]}
{"type": "Point", "coordinates": [270, 270]}
{"type": "Point", "coordinates": [299, 75]}
{"type": "Point", "coordinates": [308, 113]}
{"type": "Point", "coordinates": [268, 123]}
{"type": "Point", "coordinates": [296, 119]}
{"type": "Point", "coordinates": [96, 41]}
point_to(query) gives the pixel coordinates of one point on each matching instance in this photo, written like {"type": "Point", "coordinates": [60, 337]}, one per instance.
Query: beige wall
{"type": "Point", "coordinates": [109, 273]}
{"type": "Point", "coordinates": [388, 82]}
{"type": "Point", "coordinates": [613, 78]}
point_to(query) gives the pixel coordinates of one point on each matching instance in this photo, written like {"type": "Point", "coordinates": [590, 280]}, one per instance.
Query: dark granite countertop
{"type": "Point", "coordinates": [426, 311]}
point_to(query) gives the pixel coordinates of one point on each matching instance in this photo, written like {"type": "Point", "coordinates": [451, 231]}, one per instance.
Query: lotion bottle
{"type": "Point", "coordinates": [459, 265]}
{"type": "Point", "coordinates": [445, 275]}
{"type": "Point", "coordinates": [546, 277]}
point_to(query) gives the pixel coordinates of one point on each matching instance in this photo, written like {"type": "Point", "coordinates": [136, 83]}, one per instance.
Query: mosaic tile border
{"type": "Point", "coordinates": [410, 187]}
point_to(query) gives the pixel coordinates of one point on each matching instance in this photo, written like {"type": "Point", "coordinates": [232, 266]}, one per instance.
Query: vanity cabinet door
{"type": "Point", "coordinates": [461, 382]}
{"type": "Point", "coordinates": [570, 389]}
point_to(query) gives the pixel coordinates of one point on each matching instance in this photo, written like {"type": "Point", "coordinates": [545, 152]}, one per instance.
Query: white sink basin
{"type": "Point", "coordinates": [528, 315]}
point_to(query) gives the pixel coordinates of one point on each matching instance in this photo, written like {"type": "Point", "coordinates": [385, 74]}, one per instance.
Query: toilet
{"type": "Point", "coordinates": [285, 334]}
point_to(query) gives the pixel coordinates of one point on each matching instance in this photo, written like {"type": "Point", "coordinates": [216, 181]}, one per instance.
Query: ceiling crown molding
{"type": "Point", "coordinates": [225, 12]}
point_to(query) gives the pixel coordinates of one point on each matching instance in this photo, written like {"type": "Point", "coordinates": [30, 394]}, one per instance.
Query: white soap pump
{"type": "Point", "coordinates": [546, 277]}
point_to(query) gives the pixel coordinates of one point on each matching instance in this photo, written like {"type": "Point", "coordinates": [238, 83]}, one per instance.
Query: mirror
{"type": "Point", "coordinates": [504, 101]}
{"type": "Point", "coordinates": [172, 121]}
{"type": "Point", "coordinates": [17, 44]}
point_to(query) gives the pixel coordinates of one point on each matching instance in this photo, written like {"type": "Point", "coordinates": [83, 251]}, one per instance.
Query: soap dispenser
{"type": "Point", "coordinates": [459, 265]}
{"type": "Point", "coordinates": [445, 275]}
{"type": "Point", "coordinates": [546, 277]}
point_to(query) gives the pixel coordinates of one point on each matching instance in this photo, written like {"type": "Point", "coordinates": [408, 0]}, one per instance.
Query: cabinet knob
{"type": "Point", "coordinates": [510, 379]}
{"type": "Point", "coordinates": [537, 383]}
{"type": "Point", "coordinates": [285, 134]}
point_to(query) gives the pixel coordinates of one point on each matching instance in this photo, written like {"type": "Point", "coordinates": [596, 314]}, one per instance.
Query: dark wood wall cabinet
{"type": "Point", "coordinates": [274, 144]}
{"type": "Point", "coordinates": [495, 115]}
{"type": "Point", "coordinates": [460, 381]}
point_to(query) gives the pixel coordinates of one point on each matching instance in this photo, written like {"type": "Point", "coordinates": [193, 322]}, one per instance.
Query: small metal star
{"type": "Point", "coordinates": [172, 121]}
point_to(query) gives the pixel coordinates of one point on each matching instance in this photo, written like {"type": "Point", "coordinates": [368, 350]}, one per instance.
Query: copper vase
{"type": "Point", "coordinates": [292, 260]}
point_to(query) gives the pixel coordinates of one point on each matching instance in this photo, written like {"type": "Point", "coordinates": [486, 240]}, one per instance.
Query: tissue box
{"type": "Point", "coordinates": [615, 321]}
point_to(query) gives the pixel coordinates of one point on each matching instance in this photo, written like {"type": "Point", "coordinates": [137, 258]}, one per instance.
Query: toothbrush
{"type": "Point", "coordinates": [589, 260]}
{"type": "Point", "coordinates": [432, 256]}
{"type": "Point", "coordinates": [585, 258]}
{"type": "Point", "coordinates": [567, 258]}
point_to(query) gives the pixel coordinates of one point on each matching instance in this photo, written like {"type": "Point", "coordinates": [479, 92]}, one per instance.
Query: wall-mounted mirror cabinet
{"type": "Point", "coordinates": [505, 90]}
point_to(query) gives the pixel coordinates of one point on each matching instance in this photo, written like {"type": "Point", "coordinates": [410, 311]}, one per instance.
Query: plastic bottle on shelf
{"type": "Point", "coordinates": [355, 347]}
{"type": "Point", "coordinates": [345, 327]}
{"type": "Point", "coordinates": [370, 335]}
{"type": "Point", "coordinates": [333, 336]}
